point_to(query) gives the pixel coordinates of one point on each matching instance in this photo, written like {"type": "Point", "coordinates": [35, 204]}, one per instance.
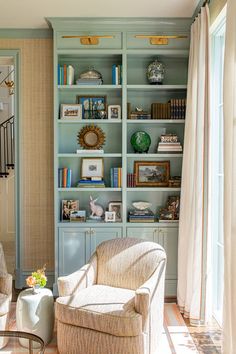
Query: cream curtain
{"type": "Point", "coordinates": [229, 321]}
{"type": "Point", "coordinates": [194, 191]}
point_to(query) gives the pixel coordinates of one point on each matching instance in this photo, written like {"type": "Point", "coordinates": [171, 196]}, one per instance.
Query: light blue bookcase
{"type": "Point", "coordinates": [74, 242]}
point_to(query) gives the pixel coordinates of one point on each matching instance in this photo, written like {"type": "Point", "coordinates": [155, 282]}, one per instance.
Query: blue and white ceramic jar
{"type": "Point", "coordinates": [155, 72]}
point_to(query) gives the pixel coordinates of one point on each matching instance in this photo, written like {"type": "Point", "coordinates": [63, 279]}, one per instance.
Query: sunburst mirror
{"type": "Point", "coordinates": [91, 137]}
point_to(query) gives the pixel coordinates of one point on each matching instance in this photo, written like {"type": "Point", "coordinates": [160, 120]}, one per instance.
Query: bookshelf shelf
{"type": "Point", "coordinates": [92, 189]}
{"type": "Point", "coordinates": [88, 87]}
{"type": "Point", "coordinates": [156, 121]}
{"type": "Point", "coordinates": [89, 121]}
{"type": "Point", "coordinates": [155, 156]}
{"type": "Point", "coordinates": [89, 155]}
{"type": "Point", "coordinates": [154, 88]}
{"type": "Point", "coordinates": [153, 189]}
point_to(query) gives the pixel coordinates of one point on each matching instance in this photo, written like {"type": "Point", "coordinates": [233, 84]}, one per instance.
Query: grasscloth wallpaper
{"type": "Point", "coordinates": [36, 121]}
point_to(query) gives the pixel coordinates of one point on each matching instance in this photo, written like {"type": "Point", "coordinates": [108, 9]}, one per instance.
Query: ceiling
{"type": "Point", "coordinates": [32, 13]}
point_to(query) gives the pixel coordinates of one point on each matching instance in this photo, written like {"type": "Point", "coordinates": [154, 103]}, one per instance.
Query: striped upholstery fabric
{"type": "Point", "coordinates": [5, 296]}
{"type": "Point", "coordinates": [114, 305]}
{"type": "Point", "coordinates": [127, 264]}
{"type": "Point", "coordinates": [102, 308]}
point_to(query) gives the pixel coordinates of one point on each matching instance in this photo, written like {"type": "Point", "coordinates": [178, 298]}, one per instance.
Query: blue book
{"type": "Point", "coordinates": [69, 175]}
{"type": "Point", "coordinates": [113, 74]}
{"type": "Point", "coordinates": [112, 178]}
{"type": "Point", "coordinates": [115, 177]}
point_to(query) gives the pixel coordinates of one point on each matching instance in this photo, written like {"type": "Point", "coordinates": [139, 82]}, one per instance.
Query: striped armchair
{"type": "Point", "coordinates": [5, 296]}
{"type": "Point", "coordinates": [114, 304]}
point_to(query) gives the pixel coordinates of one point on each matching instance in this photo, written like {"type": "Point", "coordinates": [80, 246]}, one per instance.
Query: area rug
{"type": "Point", "coordinates": [175, 337]}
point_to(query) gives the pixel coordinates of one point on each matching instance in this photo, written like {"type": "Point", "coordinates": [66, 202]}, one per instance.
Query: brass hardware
{"type": "Point", "coordinates": [89, 40]}
{"type": "Point", "coordinates": [159, 39]}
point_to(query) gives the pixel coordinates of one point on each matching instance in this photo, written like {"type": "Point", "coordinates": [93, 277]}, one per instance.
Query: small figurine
{"type": "Point", "coordinates": [96, 210]}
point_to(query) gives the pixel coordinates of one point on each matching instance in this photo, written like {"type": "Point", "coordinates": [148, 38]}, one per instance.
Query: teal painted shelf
{"type": "Point", "coordinates": [89, 121]}
{"type": "Point", "coordinates": [75, 189]}
{"type": "Point", "coordinates": [163, 155]}
{"type": "Point", "coordinates": [156, 189]}
{"type": "Point", "coordinates": [153, 224]}
{"type": "Point", "coordinates": [89, 223]}
{"type": "Point", "coordinates": [88, 155]}
{"type": "Point", "coordinates": [88, 87]}
{"type": "Point", "coordinates": [176, 53]}
{"type": "Point", "coordinates": [89, 52]}
{"type": "Point", "coordinates": [154, 88]}
{"type": "Point", "coordinates": [156, 121]}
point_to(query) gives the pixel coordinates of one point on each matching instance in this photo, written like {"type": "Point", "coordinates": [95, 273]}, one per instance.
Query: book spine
{"type": "Point", "coordinates": [61, 75]}
{"type": "Point", "coordinates": [115, 177]}
{"type": "Point", "coordinates": [64, 74]}
{"type": "Point", "coordinates": [113, 74]}
{"type": "Point", "coordinates": [58, 74]}
{"type": "Point", "coordinates": [64, 177]}
{"type": "Point", "coordinates": [60, 177]}
{"type": "Point", "coordinates": [117, 75]}
{"type": "Point", "coordinates": [69, 175]}
{"type": "Point", "coordinates": [112, 179]}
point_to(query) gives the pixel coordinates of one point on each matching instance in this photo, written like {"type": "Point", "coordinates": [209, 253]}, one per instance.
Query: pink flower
{"type": "Point", "coordinates": [31, 281]}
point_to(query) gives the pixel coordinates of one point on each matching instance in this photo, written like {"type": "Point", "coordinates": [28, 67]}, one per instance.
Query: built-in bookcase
{"type": "Point", "coordinates": [74, 242]}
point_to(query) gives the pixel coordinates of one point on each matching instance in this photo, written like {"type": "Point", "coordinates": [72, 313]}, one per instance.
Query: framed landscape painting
{"type": "Point", "coordinates": [152, 173]}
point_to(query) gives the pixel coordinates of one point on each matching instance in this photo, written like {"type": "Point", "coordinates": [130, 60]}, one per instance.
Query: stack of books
{"type": "Point", "coordinates": [140, 115]}
{"type": "Point", "coordinates": [160, 110]}
{"type": "Point", "coordinates": [141, 216]}
{"type": "Point", "coordinates": [116, 74]}
{"type": "Point", "coordinates": [169, 142]}
{"type": "Point", "coordinates": [116, 177]}
{"type": "Point", "coordinates": [65, 74]}
{"type": "Point", "coordinates": [93, 182]}
{"type": "Point", "coordinates": [64, 177]}
{"type": "Point", "coordinates": [89, 82]}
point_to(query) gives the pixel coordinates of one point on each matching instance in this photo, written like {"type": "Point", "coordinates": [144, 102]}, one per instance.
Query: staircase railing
{"type": "Point", "coordinates": [7, 146]}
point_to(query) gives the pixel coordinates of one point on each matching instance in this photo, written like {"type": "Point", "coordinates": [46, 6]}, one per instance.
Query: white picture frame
{"type": "Point", "coordinates": [117, 208]}
{"type": "Point", "coordinates": [114, 111]}
{"type": "Point", "coordinates": [71, 111]}
{"type": "Point", "coordinates": [110, 216]}
{"type": "Point", "coordinates": [92, 167]}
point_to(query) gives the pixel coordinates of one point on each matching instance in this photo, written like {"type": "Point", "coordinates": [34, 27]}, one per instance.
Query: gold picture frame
{"type": "Point", "coordinates": [152, 173]}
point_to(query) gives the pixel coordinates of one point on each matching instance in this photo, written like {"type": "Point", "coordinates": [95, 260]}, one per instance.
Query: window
{"type": "Point", "coordinates": [216, 164]}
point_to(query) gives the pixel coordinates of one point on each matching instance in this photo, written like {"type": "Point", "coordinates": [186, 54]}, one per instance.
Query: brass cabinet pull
{"type": "Point", "coordinates": [159, 39]}
{"type": "Point", "coordinates": [89, 40]}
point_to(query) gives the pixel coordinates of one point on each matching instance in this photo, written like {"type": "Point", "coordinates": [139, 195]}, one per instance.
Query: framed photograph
{"type": "Point", "coordinates": [66, 207]}
{"type": "Point", "coordinates": [117, 208]}
{"type": "Point", "coordinates": [92, 167]}
{"type": "Point", "coordinates": [114, 112]}
{"type": "Point", "coordinates": [110, 216]}
{"type": "Point", "coordinates": [78, 215]}
{"type": "Point", "coordinates": [93, 107]}
{"type": "Point", "coordinates": [71, 111]}
{"type": "Point", "coordinates": [166, 215]}
{"type": "Point", "coordinates": [152, 173]}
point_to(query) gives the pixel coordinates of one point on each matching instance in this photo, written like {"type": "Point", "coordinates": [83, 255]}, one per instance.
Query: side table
{"type": "Point", "coordinates": [35, 314]}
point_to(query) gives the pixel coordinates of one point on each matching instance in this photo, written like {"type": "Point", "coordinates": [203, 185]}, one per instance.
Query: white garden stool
{"type": "Point", "coordinates": [35, 314]}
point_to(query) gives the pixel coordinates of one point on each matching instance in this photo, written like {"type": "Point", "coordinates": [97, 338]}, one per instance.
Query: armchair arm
{"type": "Point", "coordinates": [145, 293]}
{"type": "Point", "coordinates": [6, 284]}
{"type": "Point", "coordinates": [82, 278]}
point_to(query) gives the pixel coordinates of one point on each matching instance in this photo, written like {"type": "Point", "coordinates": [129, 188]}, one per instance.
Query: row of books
{"type": "Point", "coordinates": [116, 177]}
{"type": "Point", "coordinates": [91, 182]}
{"type": "Point", "coordinates": [116, 74]}
{"type": "Point", "coordinates": [131, 180]}
{"type": "Point", "coordinates": [64, 177]}
{"type": "Point", "coordinates": [173, 109]}
{"type": "Point", "coordinates": [141, 216]}
{"type": "Point", "coordinates": [65, 74]}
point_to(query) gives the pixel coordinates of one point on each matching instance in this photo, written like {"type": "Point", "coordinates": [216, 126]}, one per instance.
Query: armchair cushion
{"type": "Point", "coordinates": [101, 308]}
{"type": "Point", "coordinates": [5, 301]}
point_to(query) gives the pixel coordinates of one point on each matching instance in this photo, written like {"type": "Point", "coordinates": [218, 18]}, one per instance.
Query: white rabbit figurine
{"type": "Point", "coordinates": [96, 210]}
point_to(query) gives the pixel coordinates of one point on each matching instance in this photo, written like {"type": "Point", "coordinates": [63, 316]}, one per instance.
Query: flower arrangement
{"type": "Point", "coordinates": [37, 278]}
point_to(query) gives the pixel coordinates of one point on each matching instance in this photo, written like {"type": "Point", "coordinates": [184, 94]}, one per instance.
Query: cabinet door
{"type": "Point", "coordinates": [146, 233]}
{"type": "Point", "coordinates": [73, 249]}
{"type": "Point", "coordinates": [168, 238]}
{"type": "Point", "coordinates": [98, 235]}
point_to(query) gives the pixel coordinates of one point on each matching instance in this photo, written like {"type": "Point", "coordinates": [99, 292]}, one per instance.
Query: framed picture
{"type": "Point", "coordinates": [117, 208]}
{"type": "Point", "coordinates": [110, 216]}
{"type": "Point", "coordinates": [166, 215]}
{"type": "Point", "coordinates": [92, 167]}
{"type": "Point", "coordinates": [78, 215]}
{"type": "Point", "coordinates": [152, 173]}
{"type": "Point", "coordinates": [66, 207]}
{"type": "Point", "coordinates": [114, 112]}
{"type": "Point", "coordinates": [71, 111]}
{"type": "Point", "coordinates": [93, 107]}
